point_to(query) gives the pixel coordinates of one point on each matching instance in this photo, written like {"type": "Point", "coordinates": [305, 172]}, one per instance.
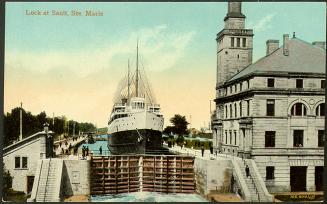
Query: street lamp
{"type": "Point", "coordinates": [48, 140]}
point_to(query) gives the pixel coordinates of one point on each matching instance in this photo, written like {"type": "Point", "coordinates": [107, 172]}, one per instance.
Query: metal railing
{"type": "Point", "coordinates": [46, 182]}
{"type": "Point", "coordinates": [253, 180]}
{"type": "Point", "coordinates": [38, 182]}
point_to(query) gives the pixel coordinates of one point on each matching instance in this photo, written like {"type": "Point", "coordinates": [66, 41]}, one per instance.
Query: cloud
{"type": "Point", "coordinates": [263, 24]}
{"type": "Point", "coordinates": [160, 46]}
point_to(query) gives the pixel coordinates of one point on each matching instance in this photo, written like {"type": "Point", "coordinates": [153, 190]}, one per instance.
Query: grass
{"type": "Point", "coordinates": [16, 196]}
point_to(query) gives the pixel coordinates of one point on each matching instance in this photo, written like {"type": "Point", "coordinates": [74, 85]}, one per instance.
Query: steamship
{"type": "Point", "coordinates": [135, 124]}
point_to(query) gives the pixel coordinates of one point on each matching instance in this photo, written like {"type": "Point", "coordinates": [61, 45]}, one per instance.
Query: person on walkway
{"type": "Point", "coordinates": [202, 150]}
{"type": "Point", "coordinates": [87, 150]}
{"type": "Point", "coordinates": [247, 171]}
{"type": "Point", "coordinates": [83, 151]}
{"type": "Point", "coordinates": [100, 150]}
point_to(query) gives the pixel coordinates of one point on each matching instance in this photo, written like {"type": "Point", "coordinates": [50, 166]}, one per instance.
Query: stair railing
{"type": "Point", "coordinates": [38, 182]}
{"type": "Point", "coordinates": [254, 183]}
{"type": "Point", "coordinates": [46, 182]}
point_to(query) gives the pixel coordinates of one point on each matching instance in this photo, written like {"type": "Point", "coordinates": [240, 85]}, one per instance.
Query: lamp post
{"type": "Point", "coordinates": [48, 140]}
{"type": "Point", "coordinates": [21, 122]}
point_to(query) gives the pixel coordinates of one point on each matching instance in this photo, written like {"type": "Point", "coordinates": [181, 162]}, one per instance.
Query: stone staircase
{"type": "Point", "coordinates": [258, 190]}
{"type": "Point", "coordinates": [249, 182]}
{"type": "Point", "coordinates": [46, 187]}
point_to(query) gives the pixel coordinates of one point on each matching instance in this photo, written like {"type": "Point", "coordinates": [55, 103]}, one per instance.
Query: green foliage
{"type": "Point", "coordinates": [33, 124]}
{"type": "Point", "coordinates": [196, 144]}
{"type": "Point", "coordinates": [7, 182]}
{"type": "Point", "coordinates": [103, 130]}
{"type": "Point", "coordinates": [15, 196]}
{"type": "Point", "coordinates": [168, 130]}
{"type": "Point", "coordinates": [180, 140]}
{"type": "Point", "coordinates": [179, 125]}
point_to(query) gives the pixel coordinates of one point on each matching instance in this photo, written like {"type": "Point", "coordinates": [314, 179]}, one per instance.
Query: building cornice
{"type": "Point", "coordinates": [287, 151]}
{"type": "Point", "coordinates": [234, 32]}
{"type": "Point", "coordinates": [272, 74]}
{"type": "Point", "coordinates": [269, 91]}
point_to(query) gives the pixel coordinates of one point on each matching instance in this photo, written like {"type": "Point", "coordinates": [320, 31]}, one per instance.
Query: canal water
{"type": "Point", "coordinates": [148, 197]}
{"type": "Point", "coordinates": [137, 196]}
{"type": "Point", "coordinates": [94, 148]}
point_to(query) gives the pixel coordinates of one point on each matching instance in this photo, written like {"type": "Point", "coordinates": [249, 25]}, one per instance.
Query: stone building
{"type": "Point", "coordinates": [272, 110]}
{"type": "Point", "coordinates": [21, 159]}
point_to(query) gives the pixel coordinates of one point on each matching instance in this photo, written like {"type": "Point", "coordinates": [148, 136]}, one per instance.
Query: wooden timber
{"type": "Point", "coordinates": [131, 173]}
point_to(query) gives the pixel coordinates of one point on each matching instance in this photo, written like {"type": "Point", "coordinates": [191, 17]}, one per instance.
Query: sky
{"type": "Point", "coordinates": [72, 65]}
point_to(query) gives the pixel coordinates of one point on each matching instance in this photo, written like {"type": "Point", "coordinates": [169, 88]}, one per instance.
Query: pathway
{"type": "Point", "coordinates": [63, 146]}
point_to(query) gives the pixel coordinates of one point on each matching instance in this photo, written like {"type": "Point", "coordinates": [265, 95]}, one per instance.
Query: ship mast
{"type": "Point", "coordinates": [137, 69]}
{"type": "Point", "coordinates": [128, 82]}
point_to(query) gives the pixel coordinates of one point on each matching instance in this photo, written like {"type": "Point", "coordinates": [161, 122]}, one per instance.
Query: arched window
{"type": "Point", "coordinates": [231, 111]}
{"type": "Point", "coordinates": [299, 109]}
{"type": "Point", "coordinates": [320, 110]}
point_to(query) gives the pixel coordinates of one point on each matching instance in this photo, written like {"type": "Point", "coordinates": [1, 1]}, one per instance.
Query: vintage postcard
{"type": "Point", "coordinates": [164, 102]}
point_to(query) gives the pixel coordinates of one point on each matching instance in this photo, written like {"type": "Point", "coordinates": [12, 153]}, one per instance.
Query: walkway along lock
{"type": "Point", "coordinates": [133, 173]}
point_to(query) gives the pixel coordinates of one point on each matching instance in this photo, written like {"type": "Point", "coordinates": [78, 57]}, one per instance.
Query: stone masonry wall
{"type": "Point", "coordinates": [76, 177]}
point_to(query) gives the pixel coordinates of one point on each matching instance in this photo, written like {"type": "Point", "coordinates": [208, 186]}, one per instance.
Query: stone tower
{"type": "Point", "coordinates": [234, 44]}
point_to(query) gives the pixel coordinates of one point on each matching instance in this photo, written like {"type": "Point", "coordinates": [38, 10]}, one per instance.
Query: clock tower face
{"type": "Point", "coordinates": [234, 44]}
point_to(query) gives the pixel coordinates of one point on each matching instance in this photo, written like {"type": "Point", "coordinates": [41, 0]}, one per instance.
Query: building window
{"type": "Point", "coordinates": [226, 137]}
{"type": "Point", "coordinates": [299, 83]}
{"type": "Point", "coordinates": [230, 137]}
{"type": "Point", "coordinates": [270, 138]}
{"type": "Point", "coordinates": [230, 111]}
{"type": "Point", "coordinates": [321, 138]}
{"type": "Point", "coordinates": [232, 41]}
{"type": "Point", "coordinates": [270, 107]}
{"type": "Point", "coordinates": [299, 109]}
{"type": "Point", "coordinates": [244, 42]}
{"type": "Point", "coordinates": [298, 138]}
{"type": "Point", "coordinates": [320, 110]}
{"type": "Point", "coordinates": [235, 88]}
{"type": "Point", "coordinates": [270, 172]}
{"type": "Point", "coordinates": [226, 110]}
{"type": "Point", "coordinates": [235, 110]}
{"type": "Point", "coordinates": [238, 42]}
{"type": "Point", "coordinates": [248, 107]}
{"type": "Point", "coordinates": [240, 108]}
{"type": "Point", "coordinates": [235, 136]}
{"type": "Point", "coordinates": [24, 162]}
{"type": "Point", "coordinates": [241, 86]}
{"type": "Point", "coordinates": [248, 81]}
{"type": "Point", "coordinates": [271, 82]}
{"type": "Point", "coordinates": [322, 84]}
{"type": "Point", "coordinates": [17, 162]}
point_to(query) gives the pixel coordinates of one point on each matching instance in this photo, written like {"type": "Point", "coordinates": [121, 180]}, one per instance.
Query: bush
{"type": "Point", "coordinates": [7, 182]}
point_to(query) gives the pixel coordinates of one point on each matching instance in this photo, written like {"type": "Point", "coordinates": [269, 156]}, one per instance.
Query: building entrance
{"type": "Point", "coordinates": [319, 172]}
{"type": "Point", "coordinates": [30, 181]}
{"type": "Point", "coordinates": [298, 180]}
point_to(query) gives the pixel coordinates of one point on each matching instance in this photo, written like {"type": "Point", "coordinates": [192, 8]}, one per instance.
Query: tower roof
{"type": "Point", "coordinates": [303, 58]}
{"type": "Point", "coordinates": [234, 10]}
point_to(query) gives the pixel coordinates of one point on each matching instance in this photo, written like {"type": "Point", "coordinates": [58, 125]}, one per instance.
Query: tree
{"type": "Point", "coordinates": [7, 181]}
{"type": "Point", "coordinates": [34, 123]}
{"type": "Point", "coordinates": [179, 125]}
{"type": "Point", "coordinates": [168, 130]}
